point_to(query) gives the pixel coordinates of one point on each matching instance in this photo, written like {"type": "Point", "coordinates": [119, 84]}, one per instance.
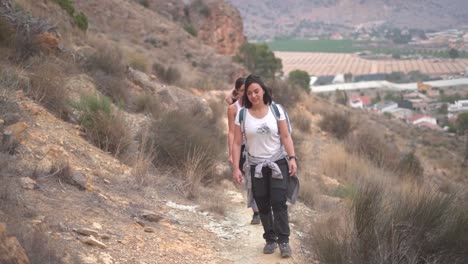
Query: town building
{"type": "Point", "coordinates": [458, 106]}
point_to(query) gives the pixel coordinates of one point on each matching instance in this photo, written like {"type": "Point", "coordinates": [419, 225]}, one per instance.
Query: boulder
{"type": "Point", "coordinates": [178, 99]}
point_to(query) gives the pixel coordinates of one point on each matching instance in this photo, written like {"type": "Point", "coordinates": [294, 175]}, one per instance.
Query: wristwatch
{"type": "Point", "coordinates": [292, 157]}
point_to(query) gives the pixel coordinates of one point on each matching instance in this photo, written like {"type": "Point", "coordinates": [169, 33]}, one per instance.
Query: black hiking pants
{"type": "Point", "coordinates": [271, 196]}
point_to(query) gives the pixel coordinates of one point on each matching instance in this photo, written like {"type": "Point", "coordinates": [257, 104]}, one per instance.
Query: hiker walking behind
{"type": "Point", "coordinates": [231, 113]}
{"type": "Point", "coordinates": [270, 161]}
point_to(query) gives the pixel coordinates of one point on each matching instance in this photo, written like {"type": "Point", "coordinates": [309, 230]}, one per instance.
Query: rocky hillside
{"type": "Point", "coordinates": [113, 148]}
{"type": "Point", "coordinates": [269, 19]}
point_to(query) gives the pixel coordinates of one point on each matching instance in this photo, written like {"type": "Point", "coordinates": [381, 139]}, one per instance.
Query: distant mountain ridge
{"type": "Point", "coordinates": [306, 18]}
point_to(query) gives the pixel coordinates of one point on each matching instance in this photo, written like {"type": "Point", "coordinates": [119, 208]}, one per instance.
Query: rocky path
{"type": "Point", "coordinates": [248, 245]}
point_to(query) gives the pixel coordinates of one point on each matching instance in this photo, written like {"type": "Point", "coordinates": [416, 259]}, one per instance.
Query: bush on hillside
{"type": "Point", "coordinates": [107, 68]}
{"type": "Point", "coordinates": [301, 121]}
{"type": "Point", "coordinates": [148, 103]}
{"type": "Point", "coordinates": [191, 29]}
{"type": "Point", "coordinates": [103, 126]}
{"type": "Point", "coordinates": [66, 5]}
{"type": "Point", "coordinates": [114, 87]}
{"type": "Point", "coordinates": [25, 47]}
{"type": "Point", "coordinates": [138, 62]}
{"type": "Point", "coordinates": [415, 226]}
{"type": "Point", "coordinates": [144, 3]}
{"type": "Point", "coordinates": [286, 94]}
{"type": "Point", "coordinates": [47, 89]}
{"type": "Point", "coordinates": [410, 167]}
{"type": "Point", "coordinates": [81, 20]}
{"type": "Point", "coordinates": [107, 59]}
{"type": "Point", "coordinates": [200, 7]}
{"type": "Point", "coordinates": [300, 78]}
{"type": "Point", "coordinates": [9, 79]}
{"type": "Point", "coordinates": [169, 75]}
{"type": "Point", "coordinates": [259, 60]}
{"type": "Point", "coordinates": [337, 124]}
{"type": "Point", "coordinates": [191, 142]}
{"type": "Point", "coordinates": [371, 145]}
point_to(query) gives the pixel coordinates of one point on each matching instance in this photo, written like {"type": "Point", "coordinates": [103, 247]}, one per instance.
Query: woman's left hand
{"type": "Point", "coordinates": [292, 167]}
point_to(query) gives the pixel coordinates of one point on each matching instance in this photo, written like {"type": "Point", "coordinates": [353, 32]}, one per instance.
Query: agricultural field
{"type": "Point", "coordinates": [322, 45]}
{"type": "Point", "coordinates": [320, 64]}
{"type": "Point", "coordinates": [351, 46]}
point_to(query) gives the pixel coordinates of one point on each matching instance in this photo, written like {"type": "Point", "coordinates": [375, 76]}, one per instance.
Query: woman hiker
{"type": "Point", "coordinates": [270, 161]}
{"type": "Point", "coordinates": [231, 113]}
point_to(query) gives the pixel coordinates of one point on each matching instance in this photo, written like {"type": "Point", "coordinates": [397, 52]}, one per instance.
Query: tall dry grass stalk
{"type": "Point", "coordinates": [337, 163]}
{"type": "Point", "coordinates": [143, 166]}
{"type": "Point", "coordinates": [194, 169]}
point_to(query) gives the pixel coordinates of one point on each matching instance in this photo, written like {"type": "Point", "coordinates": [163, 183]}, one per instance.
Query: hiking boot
{"type": "Point", "coordinates": [285, 250]}
{"type": "Point", "coordinates": [269, 247]}
{"type": "Point", "coordinates": [255, 219]}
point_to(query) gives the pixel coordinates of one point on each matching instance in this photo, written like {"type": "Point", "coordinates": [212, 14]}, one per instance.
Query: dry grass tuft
{"type": "Point", "coordinates": [406, 225]}
{"type": "Point", "coordinates": [47, 88]}
{"type": "Point", "coordinates": [169, 75]}
{"type": "Point", "coordinates": [142, 164]}
{"type": "Point", "coordinates": [195, 165]}
{"type": "Point", "coordinates": [103, 125]}
{"type": "Point", "coordinates": [338, 124]}
{"type": "Point", "coordinates": [370, 144]}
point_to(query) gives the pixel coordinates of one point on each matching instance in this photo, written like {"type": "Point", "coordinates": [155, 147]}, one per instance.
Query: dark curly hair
{"type": "Point", "coordinates": [256, 79]}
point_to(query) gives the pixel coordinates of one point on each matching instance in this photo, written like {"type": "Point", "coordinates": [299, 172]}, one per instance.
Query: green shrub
{"type": "Point", "coordinates": [191, 29]}
{"type": "Point", "coordinates": [66, 5]}
{"type": "Point", "coordinates": [81, 20]}
{"type": "Point", "coordinates": [104, 127]}
{"type": "Point", "coordinates": [300, 78]}
{"type": "Point", "coordinates": [337, 124]}
{"type": "Point", "coordinates": [259, 60]}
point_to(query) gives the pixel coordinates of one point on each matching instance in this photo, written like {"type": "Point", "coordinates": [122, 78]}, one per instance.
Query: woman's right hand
{"type": "Point", "coordinates": [237, 176]}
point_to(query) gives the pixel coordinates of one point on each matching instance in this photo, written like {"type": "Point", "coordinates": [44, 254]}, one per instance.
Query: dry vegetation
{"type": "Point", "coordinates": [395, 214]}
{"type": "Point", "coordinates": [394, 217]}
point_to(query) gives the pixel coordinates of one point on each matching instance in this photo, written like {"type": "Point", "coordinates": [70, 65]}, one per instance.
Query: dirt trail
{"type": "Point", "coordinates": [248, 247]}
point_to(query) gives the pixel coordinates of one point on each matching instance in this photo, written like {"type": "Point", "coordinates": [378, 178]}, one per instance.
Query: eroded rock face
{"type": "Point", "coordinates": [221, 27]}
{"type": "Point", "coordinates": [10, 249]}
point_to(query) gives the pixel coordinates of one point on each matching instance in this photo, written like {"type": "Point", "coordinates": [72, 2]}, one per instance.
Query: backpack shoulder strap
{"type": "Point", "coordinates": [242, 119]}
{"type": "Point", "coordinates": [275, 110]}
